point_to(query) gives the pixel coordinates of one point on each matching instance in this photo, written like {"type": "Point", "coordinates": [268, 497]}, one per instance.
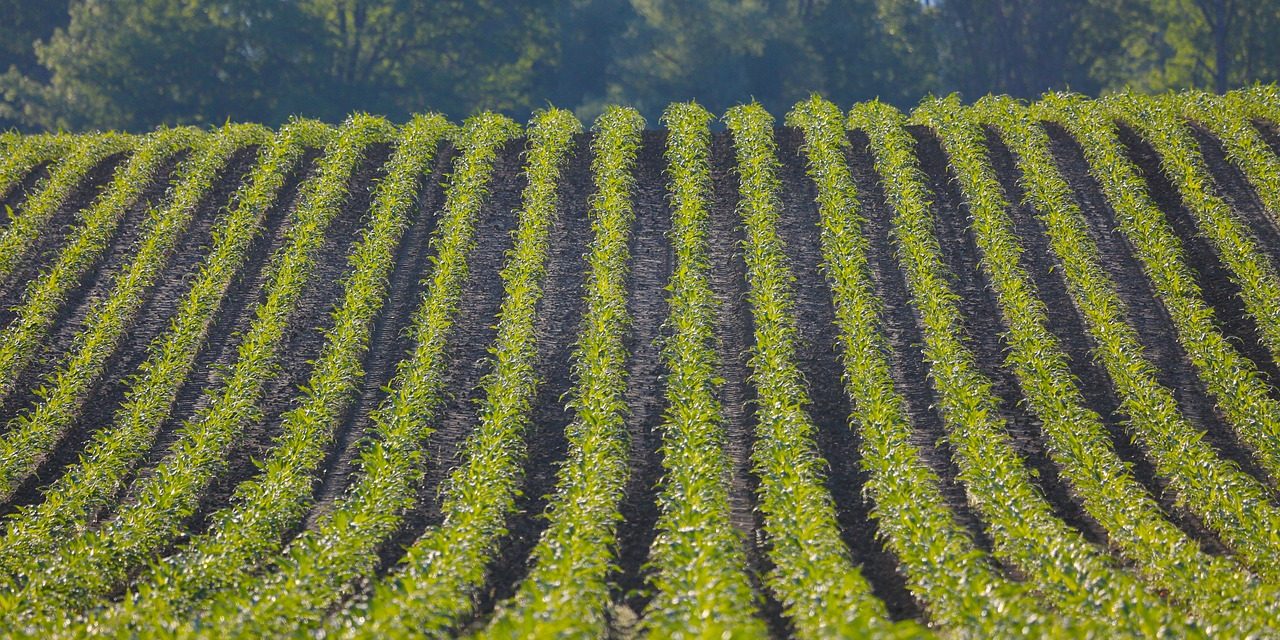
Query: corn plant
{"type": "Point", "coordinates": [435, 584]}
{"type": "Point", "coordinates": [319, 566]}
{"type": "Point", "coordinates": [1229, 501]}
{"type": "Point", "coordinates": [1205, 484]}
{"type": "Point", "coordinates": [34, 433]}
{"type": "Point", "coordinates": [566, 593]}
{"type": "Point", "coordinates": [89, 485]}
{"type": "Point", "coordinates": [89, 566]}
{"type": "Point", "coordinates": [73, 163]}
{"type": "Point", "coordinates": [948, 573]}
{"type": "Point", "coordinates": [265, 507]}
{"type": "Point", "coordinates": [1242, 394]}
{"type": "Point", "coordinates": [1075, 436]}
{"type": "Point", "coordinates": [20, 155]}
{"type": "Point", "coordinates": [47, 292]}
{"type": "Point", "coordinates": [813, 577]}
{"type": "Point", "coordinates": [699, 566]}
{"type": "Point", "coordinates": [1227, 118]}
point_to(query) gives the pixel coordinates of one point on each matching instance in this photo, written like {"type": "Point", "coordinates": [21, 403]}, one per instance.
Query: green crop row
{"type": "Point", "coordinates": [20, 155]}
{"type": "Point", "coordinates": [822, 593]}
{"type": "Point", "coordinates": [265, 508]}
{"type": "Point", "coordinates": [1074, 435]}
{"type": "Point", "coordinates": [35, 432]}
{"type": "Point", "coordinates": [46, 293]}
{"type": "Point", "coordinates": [945, 569]}
{"type": "Point", "coordinates": [89, 566]}
{"type": "Point", "coordinates": [1229, 501]}
{"type": "Point", "coordinates": [90, 484]}
{"type": "Point", "coordinates": [75, 160]}
{"type": "Point", "coordinates": [1203, 482]}
{"type": "Point", "coordinates": [566, 594]}
{"type": "Point", "coordinates": [322, 563]}
{"type": "Point", "coordinates": [1241, 393]}
{"type": "Point", "coordinates": [434, 586]}
{"type": "Point", "coordinates": [1227, 118]}
{"type": "Point", "coordinates": [1075, 575]}
{"type": "Point", "coordinates": [699, 566]}
{"type": "Point", "coordinates": [1261, 102]}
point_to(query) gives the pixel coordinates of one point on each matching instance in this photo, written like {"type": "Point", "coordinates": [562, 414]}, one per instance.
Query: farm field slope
{"type": "Point", "coordinates": [994, 370]}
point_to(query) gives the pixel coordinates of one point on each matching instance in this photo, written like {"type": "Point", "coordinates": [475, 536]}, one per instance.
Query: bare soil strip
{"type": "Point", "coordinates": [1148, 315]}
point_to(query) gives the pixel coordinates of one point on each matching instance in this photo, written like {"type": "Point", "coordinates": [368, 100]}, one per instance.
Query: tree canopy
{"type": "Point", "coordinates": [134, 64]}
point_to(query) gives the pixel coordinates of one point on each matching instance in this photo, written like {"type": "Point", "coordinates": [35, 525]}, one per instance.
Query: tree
{"type": "Point", "coordinates": [1019, 47]}
{"type": "Point", "coordinates": [723, 52]}
{"type": "Point", "coordinates": [134, 64]}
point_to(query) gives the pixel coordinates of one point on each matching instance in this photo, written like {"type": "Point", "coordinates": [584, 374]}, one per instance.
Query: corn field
{"type": "Point", "coordinates": [970, 370]}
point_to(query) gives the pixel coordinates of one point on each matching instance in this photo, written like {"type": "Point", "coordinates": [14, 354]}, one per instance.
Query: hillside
{"type": "Point", "coordinates": [978, 370]}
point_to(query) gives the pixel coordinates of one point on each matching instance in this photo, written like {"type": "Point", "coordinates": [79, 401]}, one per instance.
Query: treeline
{"type": "Point", "coordinates": [134, 64]}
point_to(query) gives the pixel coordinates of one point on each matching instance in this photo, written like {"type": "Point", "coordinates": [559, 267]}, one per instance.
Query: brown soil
{"type": "Point", "coordinates": [560, 316]}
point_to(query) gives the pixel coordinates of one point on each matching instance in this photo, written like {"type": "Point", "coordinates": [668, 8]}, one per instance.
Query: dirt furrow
{"type": "Point", "coordinates": [390, 340]}
{"type": "Point", "coordinates": [651, 264]}
{"type": "Point", "coordinates": [94, 286]}
{"type": "Point", "coordinates": [1212, 274]}
{"type": "Point", "coordinates": [984, 333]}
{"type": "Point", "coordinates": [11, 201]}
{"type": "Point", "coordinates": [154, 318]}
{"type": "Point", "coordinates": [51, 239]}
{"type": "Point", "coordinates": [1145, 312]}
{"type": "Point", "coordinates": [472, 336]}
{"type": "Point", "coordinates": [819, 361]}
{"type": "Point", "coordinates": [908, 367]}
{"type": "Point", "coordinates": [1067, 326]}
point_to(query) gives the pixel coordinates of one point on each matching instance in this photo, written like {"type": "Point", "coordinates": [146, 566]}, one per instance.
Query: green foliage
{"type": "Point", "coordinates": [320, 565]}
{"type": "Point", "coordinates": [1075, 436]}
{"type": "Point", "coordinates": [824, 595]}
{"type": "Point", "coordinates": [267, 506]}
{"type": "Point", "coordinates": [18, 238]}
{"type": "Point", "coordinates": [566, 593]}
{"type": "Point", "coordinates": [1200, 479]}
{"type": "Point", "coordinates": [435, 583]}
{"type": "Point", "coordinates": [89, 485]}
{"type": "Point", "coordinates": [68, 570]}
{"type": "Point", "coordinates": [36, 431]}
{"type": "Point", "coordinates": [47, 292]}
{"type": "Point", "coordinates": [72, 577]}
{"type": "Point", "coordinates": [699, 567]}
{"type": "Point", "coordinates": [1229, 501]}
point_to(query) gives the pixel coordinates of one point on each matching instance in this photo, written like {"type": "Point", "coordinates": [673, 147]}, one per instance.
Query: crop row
{"type": "Point", "coordinates": [89, 566]}
{"type": "Point", "coordinates": [1076, 576]}
{"type": "Point", "coordinates": [1074, 434]}
{"type": "Point", "coordinates": [24, 154]}
{"type": "Point", "coordinates": [268, 506]}
{"type": "Point", "coordinates": [1229, 501]}
{"type": "Point", "coordinates": [90, 484]}
{"type": "Point", "coordinates": [434, 586]}
{"type": "Point", "coordinates": [74, 161]}
{"type": "Point", "coordinates": [47, 293]}
{"type": "Point", "coordinates": [821, 591]}
{"type": "Point", "coordinates": [566, 593]}
{"type": "Point", "coordinates": [33, 434]}
{"type": "Point", "coordinates": [700, 581]}
{"type": "Point", "coordinates": [949, 573]}
{"type": "Point", "coordinates": [322, 563]}
{"type": "Point", "coordinates": [1242, 394]}
{"type": "Point", "coordinates": [1227, 118]}
{"type": "Point", "coordinates": [1203, 482]}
